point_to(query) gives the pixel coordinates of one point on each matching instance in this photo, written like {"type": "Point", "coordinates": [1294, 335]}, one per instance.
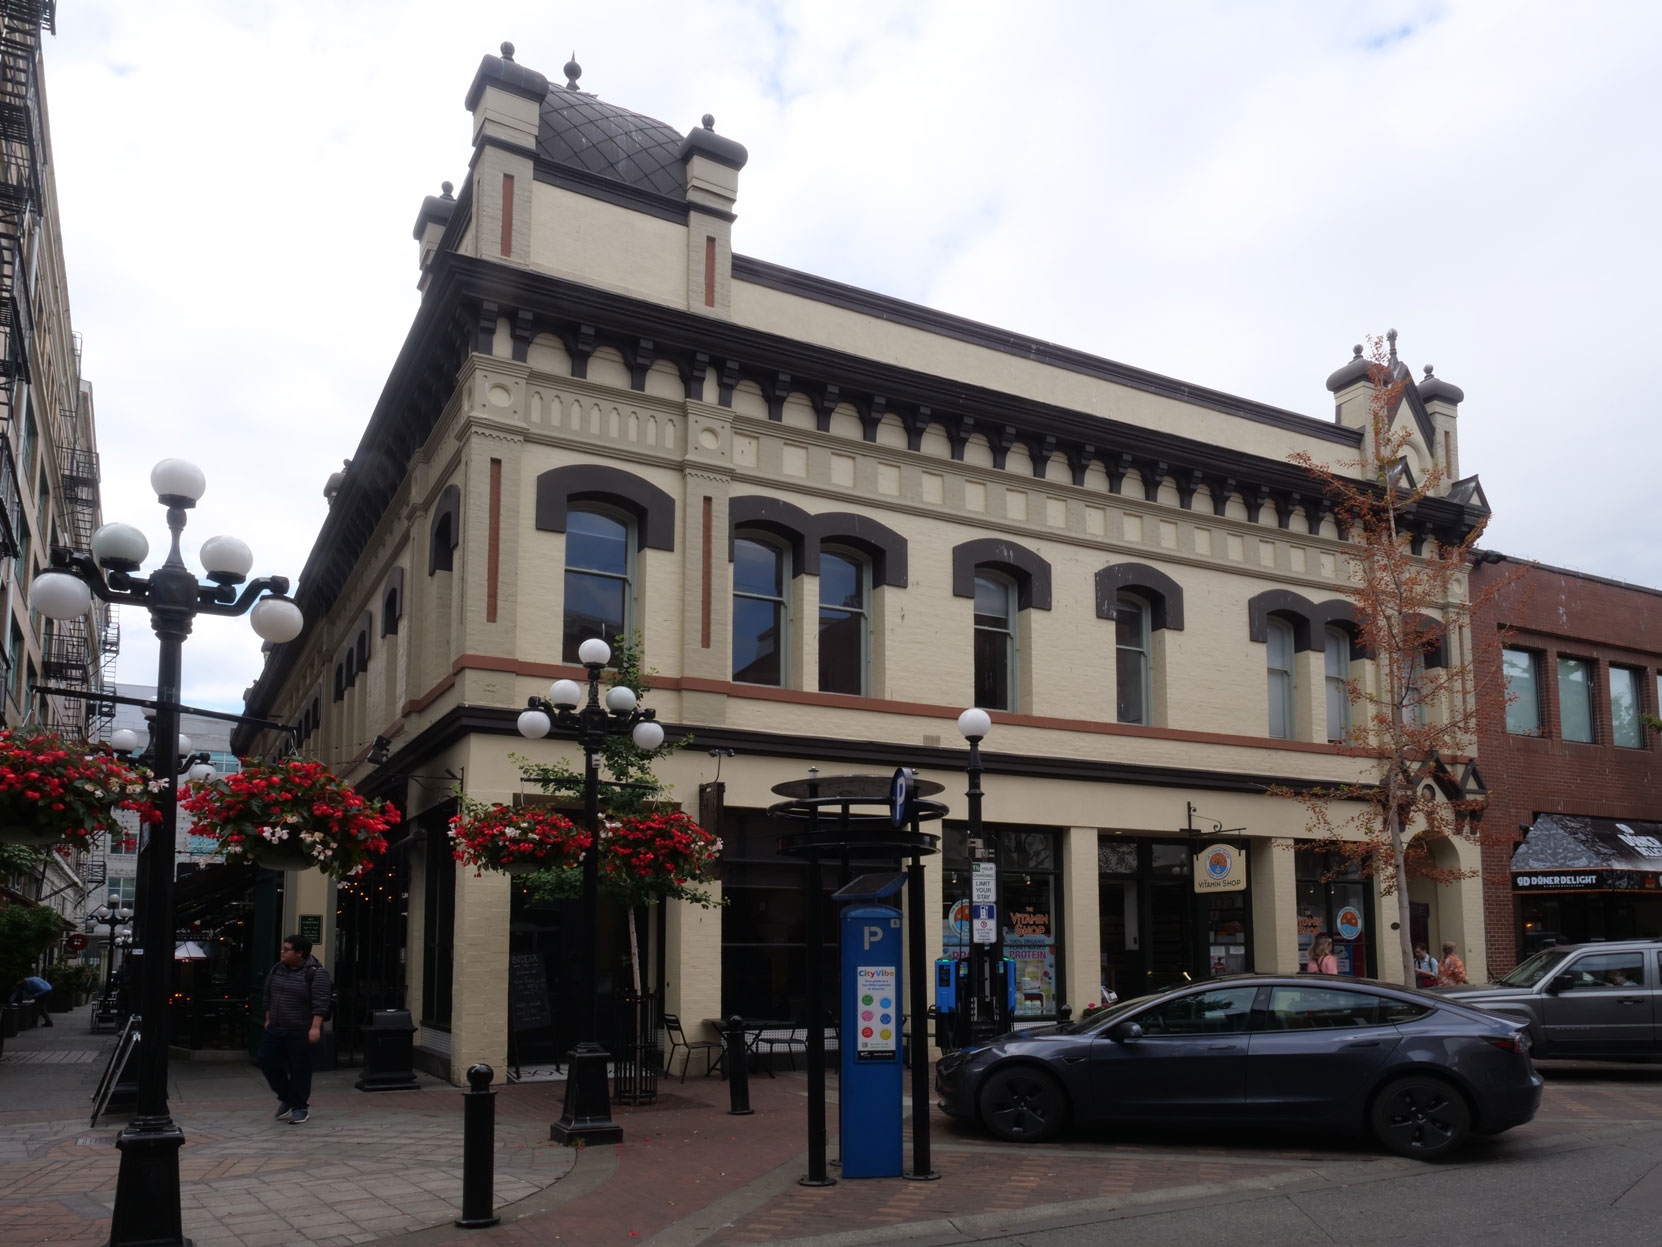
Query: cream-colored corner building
{"type": "Point", "coordinates": [836, 520]}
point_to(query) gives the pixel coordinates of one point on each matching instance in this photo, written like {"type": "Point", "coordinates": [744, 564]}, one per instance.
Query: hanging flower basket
{"type": "Point", "coordinates": [515, 839]}
{"type": "Point", "coordinates": [292, 815]}
{"type": "Point", "coordinates": [657, 856]}
{"type": "Point", "coordinates": [54, 792]}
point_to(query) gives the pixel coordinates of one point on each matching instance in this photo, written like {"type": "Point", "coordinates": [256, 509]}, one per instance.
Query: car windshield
{"type": "Point", "coordinates": [1096, 1019]}
{"type": "Point", "coordinates": [1538, 967]}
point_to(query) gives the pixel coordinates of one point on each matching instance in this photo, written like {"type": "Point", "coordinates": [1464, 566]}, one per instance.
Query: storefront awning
{"type": "Point", "coordinates": [1569, 853]}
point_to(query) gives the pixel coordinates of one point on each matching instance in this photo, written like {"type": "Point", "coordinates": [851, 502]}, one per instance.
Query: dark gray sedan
{"type": "Point", "coordinates": [1416, 1071]}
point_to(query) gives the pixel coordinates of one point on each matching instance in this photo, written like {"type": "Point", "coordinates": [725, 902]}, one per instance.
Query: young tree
{"type": "Point", "coordinates": [1411, 599]}
{"type": "Point", "coordinates": [648, 854]}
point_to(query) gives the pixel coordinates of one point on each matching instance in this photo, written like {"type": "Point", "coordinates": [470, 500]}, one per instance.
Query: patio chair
{"type": "Point", "coordinates": [792, 1040]}
{"type": "Point", "coordinates": [678, 1039]}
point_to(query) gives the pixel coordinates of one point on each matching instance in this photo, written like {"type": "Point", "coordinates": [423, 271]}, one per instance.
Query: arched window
{"type": "Point", "coordinates": [446, 531]}
{"type": "Point", "coordinates": [1134, 671]}
{"type": "Point", "coordinates": [995, 641]}
{"type": "Point", "coordinates": [844, 623]}
{"type": "Point", "coordinates": [1413, 693]}
{"type": "Point", "coordinates": [600, 549]}
{"type": "Point", "coordinates": [1279, 655]}
{"type": "Point", "coordinates": [1337, 665]}
{"type": "Point", "coordinates": [340, 680]}
{"type": "Point", "coordinates": [761, 611]}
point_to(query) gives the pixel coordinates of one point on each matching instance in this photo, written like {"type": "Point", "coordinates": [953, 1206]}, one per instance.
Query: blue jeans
{"type": "Point", "coordinates": [286, 1061]}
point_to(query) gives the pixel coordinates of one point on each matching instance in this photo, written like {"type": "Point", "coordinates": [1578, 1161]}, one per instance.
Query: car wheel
{"type": "Point", "coordinates": [1421, 1117]}
{"type": "Point", "coordinates": [1021, 1104]}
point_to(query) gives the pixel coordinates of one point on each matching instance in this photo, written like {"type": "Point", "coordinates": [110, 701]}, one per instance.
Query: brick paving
{"type": "Point", "coordinates": [374, 1166]}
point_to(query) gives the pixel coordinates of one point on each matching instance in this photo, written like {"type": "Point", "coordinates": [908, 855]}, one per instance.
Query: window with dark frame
{"type": "Point", "coordinates": [1279, 657]}
{"type": "Point", "coordinates": [1626, 731]}
{"type": "Point", "coordinates": [1336, 666]}
{"type": "Point", "coordinates": [761, 612]}
{"type": "Point", "coordinates": [995, 641]}
{"type": "Point", "coordinates": [1522, 671]}
{"type": "Point", "coordinates": [1134, 680]}
{"type": "Point", "coordinates": [1575, 699]}
{"type": "Point", "coordinates": [599, 578]}
{"type": "Point", "coordinates": [844, 623]}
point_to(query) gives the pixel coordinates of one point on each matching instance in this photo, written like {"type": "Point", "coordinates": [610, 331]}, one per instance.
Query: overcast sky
{"type": "Point", "coordinates": [1229, 193]}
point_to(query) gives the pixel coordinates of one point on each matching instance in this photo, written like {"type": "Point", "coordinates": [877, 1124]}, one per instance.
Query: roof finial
{"type": "Point", "coordinates": [1428, 370]}
{"type": "Point", "coordinates": [709, 121]}
{"type": "Point", "coordinates": [1391, 337]}
{"type": "Point", "coordinates": [507, 51]}
{"type": "Point", "coordinates": [573, 72]}
{"type": "Point", "coordinates": [447, 188]}
{"type": "Point", "coordinates": [1356, 351]}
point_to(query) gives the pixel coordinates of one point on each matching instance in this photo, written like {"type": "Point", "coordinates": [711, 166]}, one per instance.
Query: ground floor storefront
{"type": "Point", "coordinates": [1103, 888]}
{"type": "Point", "coordinates": [1576, 879]}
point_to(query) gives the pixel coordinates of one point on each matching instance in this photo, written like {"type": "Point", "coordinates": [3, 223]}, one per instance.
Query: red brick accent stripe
{"type": "Point", "coordinates": [507, 214]}
{"type": "Point", "coordinates": [704, 593]}
{"type": "Point", "coordinates": [709, 270]}
{"type": "Point", "coordinates": [493, 551]}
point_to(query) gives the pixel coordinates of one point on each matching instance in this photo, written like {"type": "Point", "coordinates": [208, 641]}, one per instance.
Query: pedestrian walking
{"type": "Point", "coordinates": [1425, 967]}
{"type": "Point", "coordinates": [1452, 970]}
{"type": "Point", "coordinates": [1322, 959]}
{"type": "Point", "coordinates": [296, 1006]}
{"type": "Point", "coordinates": [37, 987]}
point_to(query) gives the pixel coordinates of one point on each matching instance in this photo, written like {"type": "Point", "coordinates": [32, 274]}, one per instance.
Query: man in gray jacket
{"type": "Point", "coordinates": [296, 1004]}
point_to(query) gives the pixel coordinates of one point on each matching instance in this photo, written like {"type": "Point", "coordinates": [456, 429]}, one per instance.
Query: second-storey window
{"type": "Point", "coordinates": [844, 623]}
{"type": "Point", "coordinates": [1133, 672]}
{"type": "Point", "coordinates": [1279, 656]}
{"type": "Point", "coordinates": [995, 641]}
{"type": "Point", "coordinates": [761, 613]}
{"type": "Point", "coordinates": [1625, 729]}
{"type": "Point", "coordinates": [1522, 670]}
{"type": "Point", "coordinates": [1337, 664]}
{"type": "Point", "coordinates": [1575, 699]}
{"type": "Point", "coordinates": [599, 580]}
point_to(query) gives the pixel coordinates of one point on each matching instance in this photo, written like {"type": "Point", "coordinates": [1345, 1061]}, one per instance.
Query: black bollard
{"type": "Point", "coordinates": [478, 1149]}
{"type": "Point", "coordinates": [738, 1073]}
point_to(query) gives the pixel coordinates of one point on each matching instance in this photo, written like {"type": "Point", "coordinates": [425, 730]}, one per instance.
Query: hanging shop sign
{"type": "Point", "coordinates": [1220, 868]}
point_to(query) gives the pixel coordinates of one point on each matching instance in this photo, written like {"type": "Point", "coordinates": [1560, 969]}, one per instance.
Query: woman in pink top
{"type": "Point", "coordinates": [1322, 960]}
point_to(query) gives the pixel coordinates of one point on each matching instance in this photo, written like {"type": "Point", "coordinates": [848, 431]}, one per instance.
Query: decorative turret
{"type": "Point", "coordinates": [435, 214]}
{"type": "Point", "coordinates": [713, 163]}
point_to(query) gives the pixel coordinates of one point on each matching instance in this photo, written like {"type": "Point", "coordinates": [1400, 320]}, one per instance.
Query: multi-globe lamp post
{"type": "Point", "coordinates": [109, 923]}
{"type": "Point", "coordinates": [147, 1187]}
{"type": "Point", "coordinates": [588, 1110]}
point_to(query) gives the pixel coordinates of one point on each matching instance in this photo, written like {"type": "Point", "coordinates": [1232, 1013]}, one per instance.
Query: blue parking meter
{"type": "Point", "coordinates": [946, 984]}
{"type": "Point", "coordinates": [871, 1049]}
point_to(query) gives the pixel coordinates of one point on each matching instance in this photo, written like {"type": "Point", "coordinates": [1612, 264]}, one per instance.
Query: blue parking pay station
{"type": "Point", "coordinates": [871, 1052]}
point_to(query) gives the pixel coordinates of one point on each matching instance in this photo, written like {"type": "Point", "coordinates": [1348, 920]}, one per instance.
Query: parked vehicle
{"type": "Point", "coordinates": [1582, 1000]}
{"type": "Point", "coordinates": [1417, 1071]}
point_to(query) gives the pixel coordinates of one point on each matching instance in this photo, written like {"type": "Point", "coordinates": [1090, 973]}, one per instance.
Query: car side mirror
{"type": "Point", "coordinates": [1561, 982]}
{"type": "Point", "coordinates": [1126, 1030]}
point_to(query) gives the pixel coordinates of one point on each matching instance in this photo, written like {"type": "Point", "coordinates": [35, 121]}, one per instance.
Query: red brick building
{"type": "Point", "coordinates": [1575, 807]}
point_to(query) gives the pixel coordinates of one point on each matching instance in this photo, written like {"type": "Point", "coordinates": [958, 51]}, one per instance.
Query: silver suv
{"type": "Point", "coordinates": [1582, 1000]}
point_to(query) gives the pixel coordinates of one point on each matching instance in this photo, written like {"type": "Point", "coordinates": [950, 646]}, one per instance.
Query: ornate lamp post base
{"type": "Point", "coordinates": [587, 1118]}
{"type": "Point", "coordinates": [147, 1187]}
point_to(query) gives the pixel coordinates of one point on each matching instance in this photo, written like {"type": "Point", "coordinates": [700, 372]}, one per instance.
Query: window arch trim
{"type": "Point", "coordinates": [653, 509]}
{"type": "Point", "coordinates": [1163, 595]}
{"type": "Point", "coordinates": [392, 601]}
{"type": "Point", "coordinates": [1030, 572]}
{"type": "Point", "coordinates": [882, 545]}
{"type": "Point", "coordinates": [442, 537]}
{"type": "Point", "coordinates": [781, 520]}
{"type": "Point", "coordinates": [1300, 612]}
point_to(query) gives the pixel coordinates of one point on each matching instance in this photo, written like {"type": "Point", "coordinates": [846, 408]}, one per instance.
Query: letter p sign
{"type": "Point", "coordinates": [872, 935]}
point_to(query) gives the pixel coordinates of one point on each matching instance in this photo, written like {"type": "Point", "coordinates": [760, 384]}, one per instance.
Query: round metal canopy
{"type": "Point", "coordinates": [850, 787]}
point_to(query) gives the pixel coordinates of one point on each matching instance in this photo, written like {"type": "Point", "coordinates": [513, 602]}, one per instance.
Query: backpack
{"type": "Point", "coordinates": [329, 1009]}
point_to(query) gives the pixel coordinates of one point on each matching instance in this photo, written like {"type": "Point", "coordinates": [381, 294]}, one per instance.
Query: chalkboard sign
{"type": "Point", "coordinates": [125, 1045]}
{"type": "Point", "coordinates": [528, 1007]}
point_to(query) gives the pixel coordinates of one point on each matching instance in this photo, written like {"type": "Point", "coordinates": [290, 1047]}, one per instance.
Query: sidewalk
{"type": "Point", "coordinates": [372, 1166]}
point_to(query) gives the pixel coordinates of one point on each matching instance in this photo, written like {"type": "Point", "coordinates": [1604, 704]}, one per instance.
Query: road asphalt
{"type": "Point", "coordinates": [388, 1165]}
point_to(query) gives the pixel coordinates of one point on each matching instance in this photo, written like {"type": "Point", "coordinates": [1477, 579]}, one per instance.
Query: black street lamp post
{"type": "Point", "coordinates": [588, 1111]}
{"type": "Point", "coordinates": [147, 1187]}
{"type": "Point", "coordinates": [987, 1011]}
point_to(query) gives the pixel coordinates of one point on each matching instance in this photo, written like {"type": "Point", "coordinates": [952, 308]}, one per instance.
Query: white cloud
{"type": "Point", "coordinates": [1232, 194]}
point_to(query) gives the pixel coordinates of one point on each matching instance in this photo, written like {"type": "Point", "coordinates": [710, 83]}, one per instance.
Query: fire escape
{"type": "Point", "coordinates": [21, 150]}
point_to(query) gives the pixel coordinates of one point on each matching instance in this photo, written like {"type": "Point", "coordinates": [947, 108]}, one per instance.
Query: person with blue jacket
{"type": "Point", "coordinates": [37, 987]}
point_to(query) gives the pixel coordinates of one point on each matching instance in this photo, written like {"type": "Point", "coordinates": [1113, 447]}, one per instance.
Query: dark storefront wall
{"type": "Point", "coordinates": [1578, 878]}
{"type": "Point", "coordinates": [1575, 917]}
{"type": "Point", "coordinates": [1156, 931]}
{"type": "Point", "coordinates": [1328, 885]}
{"type": "Point", "coordinates": [764, 928]}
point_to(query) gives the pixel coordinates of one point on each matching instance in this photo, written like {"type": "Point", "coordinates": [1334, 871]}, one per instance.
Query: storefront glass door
{"type": "Point", "coordinates": [1155, 931]}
